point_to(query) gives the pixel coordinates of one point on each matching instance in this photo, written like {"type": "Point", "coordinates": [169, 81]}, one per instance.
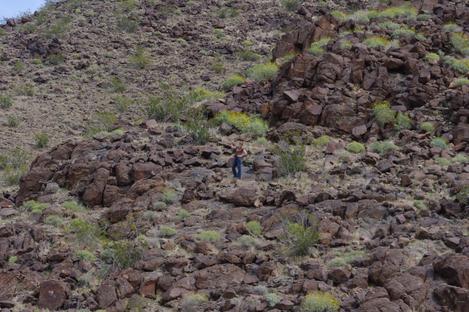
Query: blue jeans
{"type": "Point", "coordinates": [237, 165]}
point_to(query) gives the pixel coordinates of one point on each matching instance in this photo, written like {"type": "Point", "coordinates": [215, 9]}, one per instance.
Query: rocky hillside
{"type": "Point", "coordinates": [355, 192]}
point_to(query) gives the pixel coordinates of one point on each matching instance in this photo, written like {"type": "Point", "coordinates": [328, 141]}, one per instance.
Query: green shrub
{"type": "Point", "coordinates": [346, 258]}
{"type": "Point", "coordinates": [85, 255]}
{"type": "Point", "coordinates": [443, 161]}
{"type": "Point", "coordinates": [424, 17]}
{"type": "Point", "coordinates": [254, 228]}
{"type": "Point", "coordinates": [55, 59]}
{"type": "Point", "coordinates": [122, 103]}
{"type": "Point", "coordinates": [73, 206]}
{"type": "Point", "coordinates": [383, 113]}
{"type": "Point", "coordinates": [249, 56]}
{"type": "Point", "coordinates": [232, 81]}
{"type": "Point", "coordinates": [15, 164]}
{"type": "Point", "coordinates": [383, 147]}
{"type": "Point", "coordinates": [320, 302]}
{"type": "Point", "coordinates": [198, 128]}
{"type": "Point", "coordinates": [12, 259]}
{"type": "Point", "coordinates": [59, 28]}
{"type": "Point", "coordinates": [262, 72]}
{"type": "Point", "coordinates": [54, 220]}
{"type": "Point", "coordinates": [317, 48]}
{"type": "Point", "coordinates": [117, 85]}
{"type": "Point", "coordinates": [345, 44]}
{"type": "Point", "coordinates": [420, 205]}
{"type": "Point", "coordinates": [388, 25]}
{"type": "Point", "coordinates": [323, 140]}
{"type": "Point", "coordinates": [19, 66]}
{"type": "Point", "coordinates": [13, 121]}
{"type": "Point", "coordinates": [451, 27]}
{"type": "Point", "coordinates": [5, 101]}
{"type": "Point", "coordinates": [402, 121]}
{"type": "Point", "coordinates": [85, 233]}
{"type": "Point", "coordinates": [209, 236]}
{"type": "Point", "coordinates": [42, 139]}
{"type": "Point", "coordinates": [254, 126]}
{"type": "Point", "coordinates": [26, 89]}
{"type": "Point", "coordinates": [140, 59]}
{"type": "Point", "coordinates": [126, 24]}
{"type": "Point", "coordinates": [34, 206]}
{"type": "Point", "coordinates": [398, 11]}
{"type": "Point", "coordinates": [103, 122]}
{"type": "Point", "coordinates": [121, 254]}
{"type": "Point", "coordinates": [167, 231]}
{"type": "Point", "coordinates": [169, 106]}
{"type": "Point", "coordinates": [440, 142]}
{"type": "Point", "coordinates": [432, 58]}
{"type": "Point", "coordinates": [200, 94]}
{"type": "Point", "coordinates": [461, 158]}
{"type": "Point", "coordinates": [376, 42]}
{"type": "Point", "coordinates": [169, 196]}
{"type": "Point", "coordinates": [183, 214]}
{"type": "Point", "coordinates": [404, 32]}
{"type": "Point", "coordinates": [227, 12]}
{"type": "Point", "coordinates": [219, 33]}
{"type": "Point", "coordinates": [459, 65]}
{"type": "Point", "coordinates": [272, 299]}
{"type": "Point", "coordinates": [355, 147]}
{"type": "Point", "coordinates": [291, 159]}
{"type": "Point", "coordinates": [302, 235]}
{"type": "Point", "coordinates": [463, 195]}
{"type": "Point", "coordinates": [191, 302]}
{"type": "Point", "coordinates": [247, 241]}
{"type": "Point", "coordinates": [218, 66]}
{"type": "Point", "coordinates": [427, 127]}
{"type": "Point", "coordinates": [291, 5]}
{"type": "Point", "coordinates": [460, 42]}
{"type": "Point", "coordinates": [461, 81]}
{"type": "Point", "coordinates": [128, 5]}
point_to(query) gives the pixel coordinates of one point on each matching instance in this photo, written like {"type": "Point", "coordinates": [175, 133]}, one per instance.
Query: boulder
{"type": "Point", "coordinates": [52, 294]}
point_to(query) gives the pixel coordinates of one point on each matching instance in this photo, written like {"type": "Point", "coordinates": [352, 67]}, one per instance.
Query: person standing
{"type": "Point", "coordinates": [239, 154]}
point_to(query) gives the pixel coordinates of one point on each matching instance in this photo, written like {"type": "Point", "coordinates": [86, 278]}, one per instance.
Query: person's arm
{"type": "Point", "coordinates": [245, 153]}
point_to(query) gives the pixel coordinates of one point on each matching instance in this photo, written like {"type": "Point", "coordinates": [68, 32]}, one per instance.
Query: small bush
{"type": "Point", "coordinates": [218, 66]}
{"type": "Point", "coordinates": [427, 127]}
{"type": "Point", "coordinates": [432, 58]}
{"type": "Point", "coordinates": [424, 17]}
{"type": "Point", "coordinates": [249, 56]}
{"type": "Point", "coordinates": [85, 255]}
{"type": "Point", "coordinates": [460, 42]}
{"type": "Point", "coordinates": [247, 241]}
{"type": "Point", "coordinates": [183, 214]}
{"type": "Point", "coordinates": [19, 66]}
{"type": "Point", "coordinates": [459, 65]}
{"type": "Point", "coordinates": [291, 159]}
{"type": "Point", "coordinates": [262, 72]}
{"type": "Point", "coordinates": [388, 25]}
{"type": "Point", "coordinates": [405, 32]}
{"type": "Point", "coordinates": [440, 142]}
{"type": "Point", "coordinates": [398, 11]}
{"type": "Point", "coordinates": [461, 159]}
{"type": "Point", "coordinates": [73, 206]}
{"type": "Point", "coordinates": [169, 196]}
{"type": "Point", "coordinates": [34, 206]}
{"type": "Point", "coordinates": [121, 254]}
{"type": "Point", "coordinates": [228, 12]}
{"type": "Point", "coordinates": [443, 161]}
{"type": "Point", "coordinates": [12, 259]}
{"type": "Point", "coordinates": [86, 233]}
{"type": "Point", "coordinates": [5, 101]}
{"type": "Point", "coordinates": [323, 140]}
{"type": "Point", "coordinates": [54, 220]}
{"type": "Point", "coordinates": [317, 48]}
{"type": "Point", "coordinates": [13, 121]}
{"type": "Point", "coordinates": [463, 195]}
{"type": "Point", "coordinates": [166, 231]}
{"type": "Point", "coordinates": [355, 147]}
{"type": "Point", "coordinates": [25, 90]}
{"type": "Point", "coordinates": [122, 103]}
{"type": "Point", "coordinates": [117, 85]}
{"type": "Point", "coordinates": [209, 236]}
{"type": "Point", "coordinates": [200, 94]}
{"type": "Point", "coordinates": [103, 122]}
{"type": "Point", "coordinates": [140, 59]}
{"type": "Point", "coordinates": [383, 147]}
{"type": "Point", "coordinates": [383, 113]}
{"type": "Point", "coordinates": [55, 59]}
{"type": "Point", "coordinates": [198, 127]}
{"type": "Point", "coordinates": [451, 27]}
{"type": "Point", "coordinates": [254, 228]}
{"type": "Point", "coordinates": [232, 81]}
{"type": "Point", "coordinates": [169, 106]}
{"type": "Point", "coordinates": [376, 42]}
{"type": "Point", "coordinates": [459, 82]}
{"type": "Point", "coordinates": [345, 44]}
{"type": "Point", "coordinates": [127, 24]}
{"type": "Point", "coordinates": [320, 302]}
{"type": "Point", "coordinates": [14, 163]}
{"type": "Point", "coordinates": [420, 205]}
{"type": "Point", "coordinates": [272, 299]}
{"type": "Point", "coordinates": [302, 235]}
{"type": "Point", "coordinates": [59, 28]}
{"type": "Point", "coordinates": [346, 258]}
{"type": "Point", "coordinates": [254, 126]}
{"type": "Point", "coordinates": [291, 5]}
{"type": "Point", "coordinates": [403, 121]}
{"type": "Point", "coordinates": [192, 302]}
{"type": "Point", "coordinates": [42, 139]}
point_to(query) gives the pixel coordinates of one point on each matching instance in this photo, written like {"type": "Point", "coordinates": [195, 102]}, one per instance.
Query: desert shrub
{"type": "Point", "coordinates": [55, 59]}
{"type": "Point", "coordinates": [117, 85]}
{"type": "Point", "coordinates": [247, 241]}
{"type": "Point", "coordinates": [272, 299]}
{"type": "Point", "coordinates": [459, 65]}
{"type": "Point", "coordinates": [460, 42]}
{"type": "Point", "coordinates": [389, 25]}
{"type": "Point", "coordinates": [398, 11]}
{"type": "Point", "coordinates": [34, 206]}
{"type": "Point", "coordinates": [232, 81]}
{"type": "Point", "coordinates": [85, 232]}
{"type": "Point", "coordinates": [451, 27]}
{"type": "Point", "coordinates": [191, 302]}
{"type": "Point", "coordinates": [19, 66]}
{"type": "Point", "coordinates": [301, 235]}
{"type": "Point", "coordinates": [427, 127]}
{"type": "Point", "coordinates": [42, 139]}
{"type": "Point", "coordinates": [167, 231]}
{"type": "Point", "coordinates": [254, 228]}
{"type": "Point", "coordinates": [54, 220]}
{"type": "Point", "coordinates": [200, 94]}
{"type": "Point", "coordinates": [364, 16]}
{"type": "Point", "coordinates": [383, 113]}
{"type": "Point", "coordinates": [432, 58]}
{"type": "Point", "coordinates": [209, 236]}
{"type": "Point", "coordinates": [440, 142]}
{"type": "Point", "coordinates": [104, 121]}
{"type": "Point", "coordinates": [402, 121]}
{"type": "Point", "coordinates": [463, 195]}
{"type": "Point", "coordinates": [461, 158]}
{"type": "Point", "coordinates": [291, 159]}
{"type": "Point", "coordinates": [59, 28]}
{"type": "Point", "coordinates": [376, 42]}
{"type": "Point", "coordinates": [249, 56]}
{"type": "Point", "coordinates": [183, 214]}
{"type": "Point", "coordinates": [169, 106]}
{"type": "Point", "coordinates": [346, 258]}
{"type": "Point", "coordinates": [406, 32]}
{"type": "Point", "coordinates": [461, 81]}
{"type": "Point", "coordinates": [322, 140]}
{"type": "Point", "coordinates": [2, 32]}
{"type": "Point", "coordinates": [169, 196]}
{"type": "Point", "coordinates": [26, 89]}
{"type": "Point", "coordinates": [443, 161]}
{"type": "Point", "coordinates": [121, 254]}
{"type": "Point", "coordinates": [320, 302]}
{"type": "Point", "coordinates": [140, 59]}
{"type": "Point", "coordinates": [5, 101]}
{"type": "Point", "coordinates": [262, 72]}
{"type": "Point", "coordinates": [317, 48]}
{"type": "Point", "coordinates": [383, 147]}
{"type": "Point", "coordinates": [12, 259]}
{"type": "Point", "coordinates": [254, 126]}
{"type": "Point", "coordinates": [218, 66]}
{"type": "Point", "coordinates": [14, 164]}
{"type": "Point", "coordinates": [128, 5]}
{"type": "Point", "coordinates": [345, 44]}
{"type": "Point", "coordinates": [291, 5]}
{"type": "Point", "coordinates": [198, 128]}
{"type": "Point", "coordinates": [12, 121]}
{"type": "Point", "coordinates": [420, 205]}
{"type": "Point", "coordinates": [355, 147]}
{"type": "Point", "coordinates": [228, 12]}
{"type": "Point", "coordinates": [85, 255]}
{"type": "Point", "coordinates": [219, 33]}
{"type": "Point", "coordinates": [73, 206]}
{"type": "Point", "coordinates": [122, 103]}
{"type": "Point", "coordinates": [424, 17]}
{"type": "Point", "coordinates": [127, 24]}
